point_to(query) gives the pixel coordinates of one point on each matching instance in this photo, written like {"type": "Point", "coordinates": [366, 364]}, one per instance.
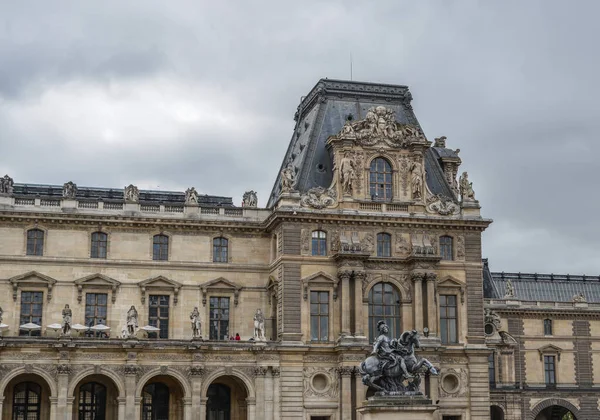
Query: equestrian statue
{"type": "Point", "coordinates": [392, 368]}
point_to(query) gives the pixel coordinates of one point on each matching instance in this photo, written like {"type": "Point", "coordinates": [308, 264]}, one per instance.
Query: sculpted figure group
{"type": "Point", "coordinates": [6, 185]}
{"type": "Point", "coordinates": [392, 368]}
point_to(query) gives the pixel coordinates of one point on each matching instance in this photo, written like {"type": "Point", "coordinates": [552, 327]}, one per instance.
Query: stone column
{"type": "Point", "coordinates": [361, 390]}
{"type": "Point", "coordinates": [344, 277]}
{"type": "Point", "coordinates": [358, 304]}
{"type": "Point", "coordinates": [202, 411]}
{"type": "Point", "coordinates": [69, 412]}
{"type": "Point", "coordinates": [431, 304]}
{"type": "Point", "coordinates": [196, 379]}
{"type": "Point", "coordinates": [346, 391]}
{"type": "Point", "coordinates": [276, 392]}
{"type": "Point", "coordinates": [269, 396]}
{"type": "Point", "coordinates": [122, 402]}
{"type": "Point", "coordinates": [53, 408]}
{"type": "Point", "coordinates": [1, 403]}
{"type": "Point", "coordinates": [187, 408]}
{"type": "Point", "coordinates": [434, 383]}
{"type": "Point", "coordinates": [260, 372]}
{"type": "Point", "coordinates": [251, 404]}
{"type": "Point", "coordinates": [130, 400]}
{"type": "Point", "coordinates": [418, 300]}
{"type": "Point", "coordinates": [63, 411]}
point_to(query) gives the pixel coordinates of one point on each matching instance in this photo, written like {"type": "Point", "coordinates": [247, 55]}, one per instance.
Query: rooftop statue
{"type": "Point", "coordinates": [392, 368]}
{"type": "Point", "coordinates": [466, 188]}
{"type": "Point", "coordinates": [288, 179]}
{"type": "Point", "coordinates": [6, 185]}
{"type": "Point", "coordinates": [70, 190]}
{"type": "Point", "coordinates": [191, 196]}
{"type": "Point", "coordinates": [131, 194]}
{"type": "Point", "coordinates": [250, 199]}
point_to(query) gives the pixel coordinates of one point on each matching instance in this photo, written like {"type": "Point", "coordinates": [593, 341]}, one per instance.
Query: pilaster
{"type": "Point", "coordinates": [431, 304]}
{"type": "Point", "coordinates": [417, 279]}
{"type": "Point", "coordinates": [346, 391]}
{"type": "Point", "coordinates": [344, 276]}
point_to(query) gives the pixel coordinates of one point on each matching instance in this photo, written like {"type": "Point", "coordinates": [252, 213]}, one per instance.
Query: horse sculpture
{"type": "Point", "coordinates": [401, 373]}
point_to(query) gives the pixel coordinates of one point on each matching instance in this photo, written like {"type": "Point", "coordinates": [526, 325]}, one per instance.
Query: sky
{"type": "Point", "coordinates": [168, 95]}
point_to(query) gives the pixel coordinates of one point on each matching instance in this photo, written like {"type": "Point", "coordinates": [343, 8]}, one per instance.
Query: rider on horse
{"type": "Point", "coordinates": [388, 357]}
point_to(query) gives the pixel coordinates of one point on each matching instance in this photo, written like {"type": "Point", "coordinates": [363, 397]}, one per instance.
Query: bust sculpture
{"type": "Point", "coordinates": [392, 368]}
{"type": "Point", "coordinates": [67, 315]}
{"type": "Point", "coordinates": [132, 321]}
{"type": "Point", "coordinates": [259, 326]}
{"type": "Point", "coordinates": [196, 323]}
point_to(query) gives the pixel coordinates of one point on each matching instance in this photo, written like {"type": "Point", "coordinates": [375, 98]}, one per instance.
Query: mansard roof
{"type": "Point", "coordinates": [536, 287]}
{"type": "Point", "coordinates": [116, 194]}
{"type": "Point", "coordinates": [325, 110]}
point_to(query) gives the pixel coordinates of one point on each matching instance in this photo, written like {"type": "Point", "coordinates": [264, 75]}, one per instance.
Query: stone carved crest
{"type": "Point", "coordinates": [131, 194]}
{"type": "Point", "coordinates": [380, 125]}
{"type": "Point", "coordinates": [442, 205]}
{"type": "Point", "coordinates": [250, 199]}
{"type": "Point", "coordinates": [321, 382]}
{"type": "Point", "coordinates": [191, 196]}
{"type": "Point", "coordinates": [69, 190]}
{"type": "Point", "coordinates": [402, 245]}
{"type": "Point", "coordinates": [492, 318]}
{"type": "Point", "coordinates": [404, 164]}
{"type": "Point", "coordinates": [6, 185]}
{"type": "Point", "coordinates": [319, 198]}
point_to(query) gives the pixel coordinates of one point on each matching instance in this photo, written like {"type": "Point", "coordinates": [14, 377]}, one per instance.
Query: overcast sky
{"type": "Point", "coordinates": [172, 94]}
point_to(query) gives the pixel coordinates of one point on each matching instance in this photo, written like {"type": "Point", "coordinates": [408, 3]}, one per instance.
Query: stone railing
{"type": "Point", "coordinates": [110, 207]}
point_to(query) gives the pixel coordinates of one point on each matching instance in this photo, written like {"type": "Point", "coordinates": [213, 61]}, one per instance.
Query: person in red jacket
{"type": "Point", "coordinates": [237, 337]}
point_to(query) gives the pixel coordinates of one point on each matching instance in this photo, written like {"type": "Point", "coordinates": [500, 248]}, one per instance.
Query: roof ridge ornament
{"type": "Point", "coordinates": [380, 125]}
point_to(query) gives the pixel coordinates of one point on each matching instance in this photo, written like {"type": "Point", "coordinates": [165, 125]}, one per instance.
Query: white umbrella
{"type": "Point", "coordinates": [30, 326]}
{"type": "Point", "coordinates": [99, 327]}
{"type": "Point", "coordinates": [79, 327]}
{"type": "Point", "coordinates": [3, 326]}
{"type": "Point", "coordinates": [150, 328]}
{"type": "Point", "coordinates": [54, 326]}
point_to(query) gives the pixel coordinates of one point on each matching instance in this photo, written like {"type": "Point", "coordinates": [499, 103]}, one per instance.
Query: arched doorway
{"type": "Point", "coordinates": [555, 412]}
{"type": "Point", "coordinates": [95, 398]}
{"type": "Point", "coordinates": [496, 413]}
{"type": "Point", "coordinates": [162, 399]}
{"type": "Point", "coordinates": [226, 399]}
{"type": "Point", "coordinates": [26, 397]}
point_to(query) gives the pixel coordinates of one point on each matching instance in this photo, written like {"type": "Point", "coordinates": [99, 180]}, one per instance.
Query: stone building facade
{"type": "Point", "coordinates": [543, 330]}
{"type": "Point", "coordinates": [367, 220]}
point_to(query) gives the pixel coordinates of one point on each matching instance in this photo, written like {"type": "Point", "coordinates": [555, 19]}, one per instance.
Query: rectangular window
{"type": "Point", "coordinates": [158, 315]}
{"type": "Point", "coordinates": [448, 319]}
{"type": "Point", "coordinates": [31, 311]}
{"type": "Point", "coordinates": [160, 248]}
{"type": "Point", "coordinates": [319, 243]}
{"type": "Point", "coordinates": [446, 248]}
{"type": "Point", "coordinates": [319, 316]}
{"type": "Point", "coordinates": [99, 245]}
{"type": "Point", "coordinates": [95, 310]}
{"type": "Point", "coordinates": [35, 242]}
{"type": "Point", "coordinates": [550, 370]}
{"type": "Point", "coordinates": [492, 369]}
{"type": "Point", "coordinates": [219, 318]}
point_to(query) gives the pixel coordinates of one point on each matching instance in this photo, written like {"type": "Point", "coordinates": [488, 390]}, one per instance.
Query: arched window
{"type": "Point", "coordinates": [220, 249]}
{"type": "Point", "coordinates": [160, 248]}
{"type": "Point", "coordinates": [155, 401]}
{"type": "Point", "coordinates": [446, 251]}
{"type": "Point", "coordinates": [35, 242]}
{"type": "Point", "coordinates": [547, 327]}
{"type": "Point", "coordinates": [92, 401]}
{"type": "Point", "coordinates": [99, 242]}
{"type": "Point", "coordinates": [384, 245]}
{"type": "Point", "coordinates": [384, 305]}
{"type": "Point", "coordinates": [27, 400]}
{"type": "Point", "coordinates": [218, 405]}
{"type": "Point", "coordinates": [380, 179]}
{"type": "Point", "coordinates": [319, 243]}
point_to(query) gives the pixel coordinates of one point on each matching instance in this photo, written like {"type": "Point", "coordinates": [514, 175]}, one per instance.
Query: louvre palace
{"type": "Point", "coordinates": [121, 303]}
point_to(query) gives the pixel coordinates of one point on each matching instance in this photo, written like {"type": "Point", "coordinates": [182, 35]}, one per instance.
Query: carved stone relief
{"type": "Point", "coordinates": [321, 382]}
{"type": "Point", "coordinates": [404, 164]}
{"type": "Point", "coordinates": [454, 382]}
{"type": "Point", "coordinates": [460, 248]}
{"type": "Point", "coordinates": [403, 248]}
{"type": "Point", "coordinates": [441, 205]}
{"type": "Point", "coordinates": [305, 241]}
{"type": "Point", "coordinates": [319, 198]}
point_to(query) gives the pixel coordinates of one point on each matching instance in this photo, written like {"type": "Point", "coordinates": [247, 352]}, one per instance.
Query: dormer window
{"type": "Point", "coordinates": [380, 180]}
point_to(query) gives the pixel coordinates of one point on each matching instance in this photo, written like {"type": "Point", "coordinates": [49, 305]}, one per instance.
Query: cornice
{"type": "Point", "coordinates": [554, 312]}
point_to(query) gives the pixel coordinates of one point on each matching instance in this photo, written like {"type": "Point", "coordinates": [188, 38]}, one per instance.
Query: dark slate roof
{"type": "Point", "coordinates": [116, 194]}
{"type": "Point", "coordinates": [324, 111]}
{"type": "Point", "coordinates": [434, 175]}
{"type": "Point", "coordinates": [541, 287]}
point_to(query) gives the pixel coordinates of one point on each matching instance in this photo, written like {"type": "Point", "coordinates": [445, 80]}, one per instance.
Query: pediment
{"type": "Point", "coordinates": [220, 283]}
{"type": "Point", "coordinates": [450, 281]}
{"type": "Point", "coordinates": [320, 277]}
{"type": "Point", "coordinates": [32, 278]}
{"type": "Point", "coordinates": [549, 349]}
{"type": "Point", "coordinates": [98, 280]}
{"type": "Point", "coordinates": [160, 282]}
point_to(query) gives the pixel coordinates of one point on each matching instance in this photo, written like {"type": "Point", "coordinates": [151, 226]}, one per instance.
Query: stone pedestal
{"type": "Point", "coordinates": [415, 407]}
